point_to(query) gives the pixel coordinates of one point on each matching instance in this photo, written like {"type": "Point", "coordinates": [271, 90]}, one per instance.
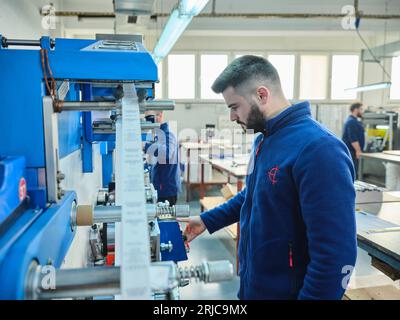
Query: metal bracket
{"type": "Point", "coordinates": [50, 122]}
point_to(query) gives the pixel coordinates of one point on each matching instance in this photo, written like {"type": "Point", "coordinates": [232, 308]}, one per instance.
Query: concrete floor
{"type": "Point", "coordinates": [220, 246]}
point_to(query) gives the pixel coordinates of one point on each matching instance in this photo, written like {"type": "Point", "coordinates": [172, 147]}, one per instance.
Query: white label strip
{"type": "Point", "coordinates": [118, 194]}
{"type": "Point", "coordinates": [135, 248]}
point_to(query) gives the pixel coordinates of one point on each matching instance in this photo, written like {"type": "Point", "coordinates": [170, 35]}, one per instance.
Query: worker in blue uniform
{"type": "Point", "coordinates": [163, 157]}
{"type": "Point", "coordinates": [353, 133]}
{"type": "Point", "coordinates": [296, 213]}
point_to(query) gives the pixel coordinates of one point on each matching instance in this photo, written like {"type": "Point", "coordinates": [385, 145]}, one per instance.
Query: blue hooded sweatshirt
{"type": "Point", "coordinates": [165, 163]}
{"type": "Point", "coordinates": [297, 219]}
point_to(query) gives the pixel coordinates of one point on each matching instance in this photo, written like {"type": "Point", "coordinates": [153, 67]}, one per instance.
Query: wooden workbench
{"type": "Point", "coordinates": [188, 147]}
{"type": "Point", "coordinates": [387, 156]}
{"type": "Point", "coordinates": [391, 156]}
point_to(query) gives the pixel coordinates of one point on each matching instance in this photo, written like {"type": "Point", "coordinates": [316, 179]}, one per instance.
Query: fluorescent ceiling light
{"type": "Point", "coordinates": [176, 25]}
{"type": "Point", "coordinates": [192, 7]}
{"type": "Point", "coordinates": [372, 86]}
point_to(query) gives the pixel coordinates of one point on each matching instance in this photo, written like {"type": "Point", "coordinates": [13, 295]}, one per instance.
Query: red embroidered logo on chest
{"type": "Point", "coordinates": [272, 174]}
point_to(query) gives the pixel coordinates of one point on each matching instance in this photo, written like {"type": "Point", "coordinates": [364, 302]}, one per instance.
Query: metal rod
{"type": "Point", "coordinates": [158, 105]}
{"type": "Point", "coordinates": [111, 105]}
{"type": "Point", "coordinates": [149, 125]}
{"type": "Point", "coordinates": [89, 106]}
{"type": "Point", "coordinates": [18, 42]}
{"type": "Point", "coordinates": [76, 283]}
{"type": "Point", "coordinates": [24, 42]}
{"type": "Point", "coordinates": [87, 215]}
{"type": "Point", "coordinates": [105, 281]}
{"type": "Point", "coordinates": [233, 15]}
{"type": "Point", "coordinates": [106, 214]}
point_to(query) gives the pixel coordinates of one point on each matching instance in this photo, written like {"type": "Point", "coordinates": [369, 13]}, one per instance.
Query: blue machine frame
{"type": "Point", "coordinates": [43, 232]}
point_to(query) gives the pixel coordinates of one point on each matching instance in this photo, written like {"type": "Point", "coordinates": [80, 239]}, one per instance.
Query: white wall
{"type": "Point", "coordinates": [22, 19]}
{"type": "Point", "coordinates": [86, 186]}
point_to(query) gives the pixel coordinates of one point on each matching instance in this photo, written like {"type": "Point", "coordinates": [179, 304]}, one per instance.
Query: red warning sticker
{"type": "Point", "coordinates": [22, 189]}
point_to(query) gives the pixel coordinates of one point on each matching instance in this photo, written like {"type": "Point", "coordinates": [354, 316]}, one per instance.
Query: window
{"type": "Point", "coordinates": [284, 64]}
{"type": "Point", "coordinates": [344, 76]}
{"type": "Point", "coordinates": [181, 78]}
{"type": "Point", "coordinates": [211, 66]}
{"type": "Point", "coordinates": [395, 77]}
{"type": "Point", "coordinates": [158, 86]}
{"type": "Point", "coordinates": [313, 76]}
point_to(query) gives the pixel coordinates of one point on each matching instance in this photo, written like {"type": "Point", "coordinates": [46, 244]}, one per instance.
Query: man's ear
{"type": "Point", "coordinates": [263, 94]}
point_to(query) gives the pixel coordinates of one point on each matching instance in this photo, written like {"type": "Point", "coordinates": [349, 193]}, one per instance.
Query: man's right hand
{"type": "Point", "coordinates": [194, 227]}
{"type": "Point", "coordinates": [358, 154]}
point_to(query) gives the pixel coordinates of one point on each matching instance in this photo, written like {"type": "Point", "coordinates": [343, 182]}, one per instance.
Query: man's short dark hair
{"type": "Point", "coordinates": [354, 106]}
{"type": "Point", "coordinates": [243, 70]}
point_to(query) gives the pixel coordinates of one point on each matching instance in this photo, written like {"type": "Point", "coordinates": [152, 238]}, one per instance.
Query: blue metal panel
{"type": "Point", "coordinates": [104, 137]}
{"type": "Point", "coordinates": [21, 116]}
{"type": "Point", "coordinates": [69, 126]}
{"type": "Point", "coordinates": [106, 150]}
{"type": "Point", "coordinates": [170, 231]}
{"type": "Point", "coordinates": [117, 65]}
{"type": "Point", "coordinates": [46, 236]}
{"type": "Point", "coordinates": [87, 132]}
{"type": "Point", "coordinates": [12, 174]}
{"type": "Point", "coordinates": [36, 181]}
{"type": "Point", "coordinates": [107, 168]}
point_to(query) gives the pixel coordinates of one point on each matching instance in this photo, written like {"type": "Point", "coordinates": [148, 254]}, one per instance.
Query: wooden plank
{"type": "Point", "coordinates": [386, 269]}
{"type": "Point", "coordinates": [388, 292]}
{"type": "Point", "coordinates": [209, 203]}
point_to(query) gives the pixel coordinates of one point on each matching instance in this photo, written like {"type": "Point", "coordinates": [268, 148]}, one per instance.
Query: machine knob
{"type": "Point", "coordinates": [166, 246]}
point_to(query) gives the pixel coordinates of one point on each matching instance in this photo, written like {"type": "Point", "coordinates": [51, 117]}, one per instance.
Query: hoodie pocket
{"type": "Point", "coordinates": [269, 274]}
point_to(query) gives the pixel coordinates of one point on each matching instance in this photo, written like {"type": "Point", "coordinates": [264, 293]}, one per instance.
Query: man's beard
{"type": "Point", "coordinates": [255, 120]}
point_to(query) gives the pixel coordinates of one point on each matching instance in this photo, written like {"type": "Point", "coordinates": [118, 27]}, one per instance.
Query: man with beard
{"type": "Point", "coordinates": [353, 133]}
{"type": "Point", "coordinates": [296, 214]}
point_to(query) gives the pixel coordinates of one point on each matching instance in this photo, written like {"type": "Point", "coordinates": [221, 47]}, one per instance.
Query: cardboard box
{"type": "Point", "coordinates": [228, 191]}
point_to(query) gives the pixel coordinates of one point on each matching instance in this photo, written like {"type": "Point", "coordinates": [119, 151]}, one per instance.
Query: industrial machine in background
{"type": "Point", "coordinates": [61, 109]}
{"type": "Point", "coordinates": [382, 131]}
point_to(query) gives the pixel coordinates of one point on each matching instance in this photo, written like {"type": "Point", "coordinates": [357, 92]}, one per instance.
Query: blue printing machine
{"type": "Point", "coordinates": [33, 229]}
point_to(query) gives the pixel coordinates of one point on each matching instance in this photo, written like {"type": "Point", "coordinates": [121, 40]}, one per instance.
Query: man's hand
{"type": "Point", "coordinates": [194, 227]}
{"type": "Point", "coordinates": [357, 148]}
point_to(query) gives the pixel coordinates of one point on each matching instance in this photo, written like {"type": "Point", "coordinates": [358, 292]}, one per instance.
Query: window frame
{"type": "Point", "coordinates": [296, 89]}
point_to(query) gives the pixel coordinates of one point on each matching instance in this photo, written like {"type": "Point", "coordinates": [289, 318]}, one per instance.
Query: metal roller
{"type": "Point", "coordinates": [86, 215]}
{"type": "Point", "coordinates": [112, 105]}
{"type": "Point", "coordinates": [105, 281]}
